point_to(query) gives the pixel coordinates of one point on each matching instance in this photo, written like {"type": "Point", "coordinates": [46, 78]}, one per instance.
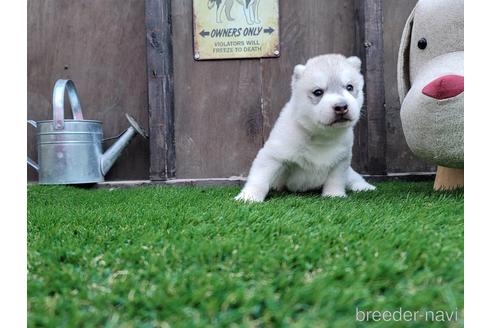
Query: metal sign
{"type": "Point", "coordinates": [235, 29]}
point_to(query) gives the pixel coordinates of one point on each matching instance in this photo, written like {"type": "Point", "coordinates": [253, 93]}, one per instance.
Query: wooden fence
{"type": "Point", "coordinates": [208, 119]}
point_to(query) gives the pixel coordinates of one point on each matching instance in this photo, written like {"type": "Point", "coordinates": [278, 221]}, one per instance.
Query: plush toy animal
{"type": "Point", "coordinates": [431, 87]}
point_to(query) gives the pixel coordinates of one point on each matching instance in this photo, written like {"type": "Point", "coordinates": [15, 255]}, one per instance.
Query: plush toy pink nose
{"type": "Point", "coordinates": [444, 87]}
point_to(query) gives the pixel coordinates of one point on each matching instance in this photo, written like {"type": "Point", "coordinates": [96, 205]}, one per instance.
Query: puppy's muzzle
{"type": "Point", "coordinates": [341, 113]}
{"type": "Point", "coordinates": [340, 109]}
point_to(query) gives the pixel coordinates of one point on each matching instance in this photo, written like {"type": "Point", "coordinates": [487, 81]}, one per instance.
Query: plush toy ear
{"type": "Point", "coordinates": [403, 69]}
{"type": "Point", "coordinates": [355, 62]}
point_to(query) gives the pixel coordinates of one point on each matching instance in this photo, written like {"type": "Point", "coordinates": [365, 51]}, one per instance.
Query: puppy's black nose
{"type": "Point", "coordinates": [340, 108]}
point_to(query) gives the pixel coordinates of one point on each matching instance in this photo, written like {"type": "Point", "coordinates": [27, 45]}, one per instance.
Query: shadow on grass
{"type": "Point", "coordinates": [390, 191]}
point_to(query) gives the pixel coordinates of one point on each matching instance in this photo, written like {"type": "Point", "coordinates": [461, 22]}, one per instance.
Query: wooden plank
{"type": "Point", "coordinates": [99, 45]}
{"type": "Point", "coordinates": [360, 150]}
{"type": "Point", "coordinates": [218, 108]}
{"type": "Point", "coordinates": [372, 136]}
{"type": "Point", "coordinates": [399, 158]}
{"type": "Point", "coordinates": [161, 89]}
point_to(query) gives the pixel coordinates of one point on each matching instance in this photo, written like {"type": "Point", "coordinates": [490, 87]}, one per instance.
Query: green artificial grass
{"type": "Point", "coordinates": [193, 257]}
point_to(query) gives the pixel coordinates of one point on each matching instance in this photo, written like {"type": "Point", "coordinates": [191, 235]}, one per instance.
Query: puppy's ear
{"type": "Point", "coordinates": [298, 71]}
{"type": "Point", "coordinates": [355, 62]}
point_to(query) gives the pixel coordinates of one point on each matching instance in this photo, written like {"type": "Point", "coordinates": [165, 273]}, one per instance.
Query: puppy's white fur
{"type": "Point", "coordinates": [310, 146]}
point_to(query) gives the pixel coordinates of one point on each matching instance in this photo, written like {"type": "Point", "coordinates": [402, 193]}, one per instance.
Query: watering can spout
{"type": "Point", "coordinates": [112, 153]}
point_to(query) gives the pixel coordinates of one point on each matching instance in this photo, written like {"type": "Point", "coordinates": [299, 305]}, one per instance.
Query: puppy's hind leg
{"type": "Point", "coordinates": [356, 182]}
{"type": "Point", "coordinates": [263, 173]}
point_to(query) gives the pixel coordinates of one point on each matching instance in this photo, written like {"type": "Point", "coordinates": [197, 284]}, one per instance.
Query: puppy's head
{"type": "Point", "coordinates": [327, 92]}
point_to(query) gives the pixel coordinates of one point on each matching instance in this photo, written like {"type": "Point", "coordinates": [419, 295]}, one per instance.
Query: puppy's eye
{"type": "Point", "coordinates": [318, 92]}
{"type": "Point", "coordinates": [350, 87]}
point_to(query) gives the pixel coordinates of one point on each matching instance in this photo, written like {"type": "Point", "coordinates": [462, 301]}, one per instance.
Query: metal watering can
{"type": "Point", "coordinates": [70, 150]}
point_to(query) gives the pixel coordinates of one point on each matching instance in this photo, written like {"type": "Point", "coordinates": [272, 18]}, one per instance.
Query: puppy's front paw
{"type": "Point", "coordinates": [334, 193]}
{"type": "Point", "coordinates": [249, 196]}
{"type": "Point", "coordinates": [362, 186]}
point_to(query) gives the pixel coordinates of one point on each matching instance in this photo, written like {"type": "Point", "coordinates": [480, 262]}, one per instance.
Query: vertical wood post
{"type": "Point", "coordinates": [372, 130]}
{"type": "Point", "coordinates": [160, 89]}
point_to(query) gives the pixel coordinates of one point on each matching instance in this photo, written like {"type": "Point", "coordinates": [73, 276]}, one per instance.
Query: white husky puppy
{"type": "Point", "coordinates": [310, 145]}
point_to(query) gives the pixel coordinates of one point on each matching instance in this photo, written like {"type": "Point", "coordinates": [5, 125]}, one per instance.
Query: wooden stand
{"type": "Point", "coordinates": [449, 179]}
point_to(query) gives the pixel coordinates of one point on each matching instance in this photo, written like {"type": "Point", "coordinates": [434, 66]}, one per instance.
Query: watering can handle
{"type": "Point", "coordinates": [29, 160]}
{"type": "Point", "coordinates": [58, 101]}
